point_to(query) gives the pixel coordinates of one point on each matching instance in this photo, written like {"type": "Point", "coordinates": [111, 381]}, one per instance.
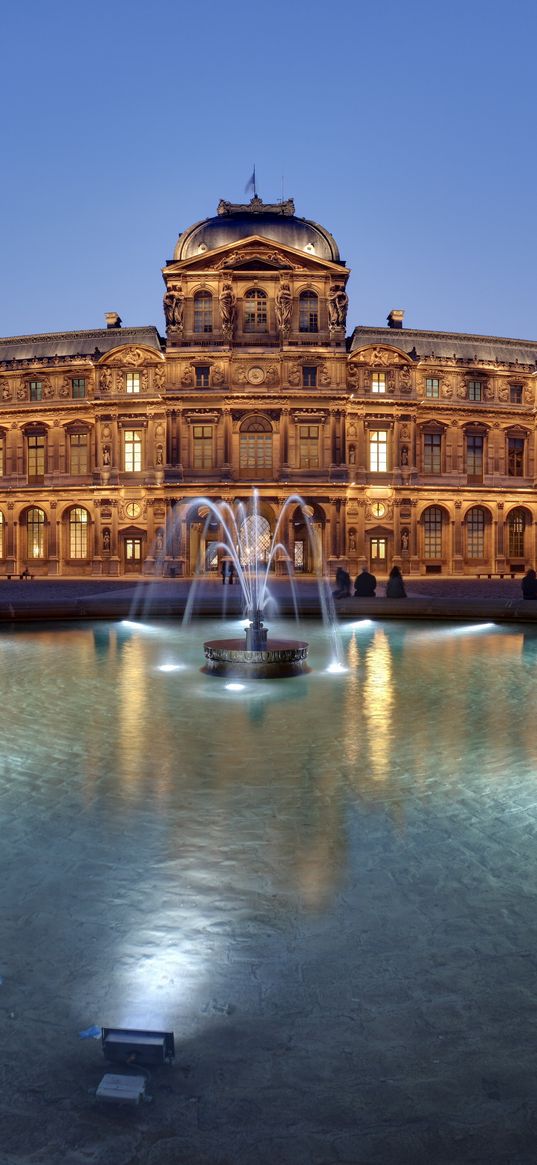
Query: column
{"type": "Point", "coordinates": [457, 540]}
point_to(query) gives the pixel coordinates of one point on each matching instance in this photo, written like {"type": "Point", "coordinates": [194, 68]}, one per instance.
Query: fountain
{"type": "Point", "coordinates": [257, 656]}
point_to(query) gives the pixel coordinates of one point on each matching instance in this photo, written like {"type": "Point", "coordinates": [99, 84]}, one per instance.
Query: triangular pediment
{"type": "Point", "coordinates": [252, 252]}
{"type": "Point", "coordinates": [131, 356]}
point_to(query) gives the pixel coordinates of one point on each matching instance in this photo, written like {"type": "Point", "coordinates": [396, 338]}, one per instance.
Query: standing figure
{"type": "Point", "coordinates": [395, 587]}
{"type": "Point", "coordinates": [284, 308]}
{"type": "Point", "coordinates": [227, 310]}
{"type": "Point", "coordinates": [174, 308]}
{"type": "Point", "coordinates": [338, 302]}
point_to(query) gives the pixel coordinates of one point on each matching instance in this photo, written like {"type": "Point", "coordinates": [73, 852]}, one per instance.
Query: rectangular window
{"type": "Point", "coordinates": [515, 394]}
{"type": "Point", "coordinates": [432, 387]}
{"type": "Point", "coordinates": [309, 446]}
{"type": "Point", "coordinates": [256, 451]}
{"type": "Point", "coordinates": [432, 532]}
{"type": "Point", "coordinates": [432, 450]}
{"type": "Point", "coordinates": [36, 458]}
{"type": "Point", "coordinates": [475, 533]}
{"type": "Point", "coordinates": [78, 447]}
{"type": "Point", "coordinates": [203, 446]}
{"type": "Point", "coordinates": [515, 456]}
{"type": "Point", "coordinates": [79, 387]}
{"type": "Point", "coordinates": [474, 456]}
{"type": "Point", "coordinates": [378, 382]}
{"type": "Point", "coordinates": [202, 376]}
{"type": "Point", "coordinates": [378, 549]}
{"type": "Point", "coordinates": [132, 450]}
{"type": "Point", "coordinates": [378, 450]}
{"type": "Point", "coordinates": [36, 390]}
{"type": "Point", "coordinates": [309, 376]}
{"type": "Point", "coordinates": [133, 381]}
{"type": "Point", "coordinates": [475, 390]}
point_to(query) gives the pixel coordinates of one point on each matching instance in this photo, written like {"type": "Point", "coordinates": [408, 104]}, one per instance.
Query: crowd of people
{"type": "Point", "coordinates": [365, 584]}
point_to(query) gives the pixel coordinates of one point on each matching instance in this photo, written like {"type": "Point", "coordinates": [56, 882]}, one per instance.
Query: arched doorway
{"type": "Point", "coordinates": [308, 526]}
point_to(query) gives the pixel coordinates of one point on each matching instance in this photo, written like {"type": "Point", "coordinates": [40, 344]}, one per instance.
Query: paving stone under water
{"type": "Point", "coordinates": [326, 886]}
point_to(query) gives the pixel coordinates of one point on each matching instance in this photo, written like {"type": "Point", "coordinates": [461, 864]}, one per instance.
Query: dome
{"type": "Point", "coordinates": [275, 221]}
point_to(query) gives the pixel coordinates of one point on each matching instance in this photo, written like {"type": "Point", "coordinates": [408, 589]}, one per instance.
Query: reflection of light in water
{"type": "Point", "coordinates": [451, 631]}
{"type": "Point", "coordinates": [351, 741]}
{"type": "Point", "coordinates": [132, 707]}
{"type": "Point", "coordinates": [378, 702]}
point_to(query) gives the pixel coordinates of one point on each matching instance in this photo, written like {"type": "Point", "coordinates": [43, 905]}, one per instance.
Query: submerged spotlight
{"type": "Point", "coordinates": [137, 1047]}
{"type": "Point", "coordinates": [235, 687]}
{"type": "Point", "coordinates": [335, 668]}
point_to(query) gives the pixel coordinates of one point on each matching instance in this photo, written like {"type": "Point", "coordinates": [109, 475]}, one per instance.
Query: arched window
{"type": "Point", "coordinates": [475, 532]}
{"type": "Point", "coordinates": [516, 525]}
{"type": "Point", "coordinates": [203, 311]}
{"type": "Point", "coordinates": [308, 312]}
{"type": "Point", "coordinates": [78, 532]}
{"type": "Point", "coordinates": [255, 310]}
{"type": "Point", "coordinates": [2, 529]}
{"type": "Point", "coordinates": [35, 533]}
{"type": "Point", "coordinates": [255, 447]}
{"type": "Point", "coordinates": [432, 532]}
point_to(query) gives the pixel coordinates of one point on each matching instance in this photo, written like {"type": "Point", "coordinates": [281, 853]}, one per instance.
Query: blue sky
{"type": "Point", "coordinates": [406, 129]}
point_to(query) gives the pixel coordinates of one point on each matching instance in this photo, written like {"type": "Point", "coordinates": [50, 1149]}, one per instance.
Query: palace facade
{"type": "Point", "coordinates": [405, 446]}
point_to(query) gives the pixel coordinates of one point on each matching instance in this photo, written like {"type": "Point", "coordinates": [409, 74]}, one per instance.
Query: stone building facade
{"type": "Point", "coordinates": [388, 445]}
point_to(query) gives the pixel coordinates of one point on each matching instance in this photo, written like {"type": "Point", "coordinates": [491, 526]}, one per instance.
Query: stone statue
{"type": "Point", "coordinates": [404, 539]}
{"type": "Point", "coordinates": [106, 538]}
{"type": "Point", "coordinates": [228, 310]}
{"type": "Point", "coordinates": [174, 305]}
{"type": "Point", "coordinates": [106, 455]}
{"type": "Point", "coordinates": [160, 455]}
{"type": "Point", "coordinates": [284, 308]}
{"type": "Point", "coordinates": [105, 380]}
{"type": "Point", "coordinates": [159, 376]}
{"type": "Point", "coordinates": [404, 455]}
{"type": "Point", "coordinates": [338, 302]}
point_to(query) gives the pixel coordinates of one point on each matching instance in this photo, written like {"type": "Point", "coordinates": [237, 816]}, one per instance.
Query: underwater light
{"type": "Point", "coordinates": [335, 668]}
{"type": "Point", "coordinates": [358, 623]}
{"type": "Point", "coordinates": [235, 687]}
{"type": "Point", "coordinates": [170, 666]}
{"type": "Point", "coordinates": [138, 1047]}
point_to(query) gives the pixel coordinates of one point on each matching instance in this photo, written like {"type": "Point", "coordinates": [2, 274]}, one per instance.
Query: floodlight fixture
{"type": "Point", "coordinates": [131, 1046]}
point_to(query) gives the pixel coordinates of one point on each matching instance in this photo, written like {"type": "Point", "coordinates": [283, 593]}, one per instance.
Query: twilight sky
{"type": "Point", "coordinates": [407, 129]}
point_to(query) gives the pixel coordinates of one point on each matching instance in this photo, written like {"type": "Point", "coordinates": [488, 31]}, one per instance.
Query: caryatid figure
{"type": "Point", "coordinates": [338, 302]}
{"type": "Point", "coordinates": [227, 310]}
{"type": "Point", "coordinates": [284, 308]}
{"type": "Point", "coordinates": [174, 308]}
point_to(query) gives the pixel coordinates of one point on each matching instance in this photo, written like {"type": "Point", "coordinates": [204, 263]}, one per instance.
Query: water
{"type": "Point", "coordinates": [325, 885]}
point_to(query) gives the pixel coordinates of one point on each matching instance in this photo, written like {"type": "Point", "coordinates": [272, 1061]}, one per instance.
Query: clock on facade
{"type": "Point", "coordinates": [255, 375]}
{"type": "Point", "coordinates": [378, 509]}
{"type": "Point", "coordinates": [133, 510]}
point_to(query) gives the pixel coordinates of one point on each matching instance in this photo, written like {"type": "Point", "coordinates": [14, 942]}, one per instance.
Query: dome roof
{"type": "Point", "coordinates": [272, 220]}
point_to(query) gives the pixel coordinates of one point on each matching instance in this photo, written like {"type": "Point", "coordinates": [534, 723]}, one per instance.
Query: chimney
{"type": "Point", "coordinates": [112, 319]}
{"type": "Point", "coordinates": [395, 318]}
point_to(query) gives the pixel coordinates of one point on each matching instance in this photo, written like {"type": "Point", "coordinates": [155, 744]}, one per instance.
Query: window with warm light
{"type": "Point", "coordinates": [475, 532]}
{"type": "Point", "coordinates": [378, 450]}
{"type": "Point", "coordinates": [309, 446]}
{"type": "Point", "coordinates": [432, 532]}
{"type": "Point", "coordinates": [132, 450]}
{"type": "Point", "coordinates": [378, 382]}
{"type": "Point", "coordinates": [78, 532]}
{"type": "Point", "coordinates": [78, 453]}
{"type": "Point", "coordinates": [516, 525]}
{"type": "Point", "coordinates": [203, 446]}
{"type": "Point", "coordinates": [36, 458]}
{"type": "Point", "coordinates": [132, 380]}
{"type": "Point", "coordinates": [255, 447]}
{"type": "Point", "coordinates": [35, 533]}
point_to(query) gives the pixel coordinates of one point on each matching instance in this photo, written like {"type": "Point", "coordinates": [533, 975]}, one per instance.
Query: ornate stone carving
{"type": "Point", "coordinates": [284, 309]}
{"type": "Point", "coordinates": [120, 383]}
{"type": "Point", "coordinates": [174, 308]}
{"type": "Point", "coordinates": [132, 357]}
{"type": "Point", "coordinates": [240, 374]}
{"type": "Point", "coordinates": [353, 375]}
{"type": "Point", "coordinates": [378, 357]}
{"type": "Point", "coordinates": [446, 387]}
{"type": "Point", "coordinates": [145, 380]}
{"type": "Point", "coordinates": [390, 380]}
{"type": "Point", "coordinates": [405, 379]}
{"type": "Point", "coordinates": [228, 310]}
{"type": "Point", "coordinates": [324, 375]}
{"type": "Point", "coordinates": [294, 375]}
{"type": "Point", "coordinates": [65, 387]}
{"type": "Point", "coordinates": [488, 390]}
{"type": "Point", "coordinates": [461, 388]}
{"type": "Point", "coordinates": [256, 254]}
{"type": "Point", "coordinates": [105, 380]}
{"type": "Point", "coordinates": [271, 375]}
{"type": "Point", "coordinates": [529, 394]}
{"type": "Point", "coordinates": [22, 392]}
{"type": "Point", "coordinates": [159, 377]}
{"type": "Point", "coordinates": [187, 375]}
{"type": "Point", "coordinates": [338, 302]}
{"type": "Point", "coordinates": [5, 390]}
{"type": "Point", "coordinates": [217, 375]}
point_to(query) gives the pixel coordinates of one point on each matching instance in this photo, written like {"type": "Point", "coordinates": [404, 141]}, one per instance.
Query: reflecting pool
{"type": "Point", "coordinates": [325, 885]}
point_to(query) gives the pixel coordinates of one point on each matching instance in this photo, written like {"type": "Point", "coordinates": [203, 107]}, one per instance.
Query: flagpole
{"type": "Point", "coordinates": [255, 189]}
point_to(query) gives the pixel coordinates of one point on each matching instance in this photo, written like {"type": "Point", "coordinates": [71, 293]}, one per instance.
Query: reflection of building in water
{"type": "Point", "coordinates": [378, 702]}
{"type": "Point", "coordinates": [408, 446]}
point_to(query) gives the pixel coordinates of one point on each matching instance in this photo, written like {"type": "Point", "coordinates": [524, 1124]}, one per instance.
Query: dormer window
{"type": "Point", "coordinates": [308, 320]}
{"type": "Point", "coordinates": [255, 310]}
{"type": "Point", "coordinates": [202, 375]}
{"type": "Point", "coordinates": [133, 381]}
{"type": "Point", "coordinates": [515, 394]}
{"type": "Point", "coordinates": [475, 390]}
{"type": "Point", "coordinates": [378, 382]}
{"type": "Point", "coordinates": [36, 390]}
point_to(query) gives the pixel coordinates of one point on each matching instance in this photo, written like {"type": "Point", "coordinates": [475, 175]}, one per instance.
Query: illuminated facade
{"type": "Point", "coordinates": [408, 447]}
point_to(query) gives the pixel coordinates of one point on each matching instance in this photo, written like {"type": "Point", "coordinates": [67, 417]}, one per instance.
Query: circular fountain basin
{"type": "Point", "coordinates": [278, 658]}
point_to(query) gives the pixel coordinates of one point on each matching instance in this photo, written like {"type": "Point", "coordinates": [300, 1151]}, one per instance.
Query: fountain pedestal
{"type": "Point", "coordinates": [258, 658]}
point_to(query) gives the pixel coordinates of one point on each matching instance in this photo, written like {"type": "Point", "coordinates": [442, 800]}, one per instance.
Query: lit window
{"type": "Point", "coordinates": [516, 525]}
{"type": "Point", "coordinates": [432, 387]}
{"type": "Point", "coordinates": [36, 458]}
{"type": "Point", "coordinates": [79, 387]}
{"type": "Point", "coordinates": [309, 375]}
{"type": "Point", "coordinates": [203, 446]}
{"type": "Point", "coordinates": [515, 456]}
{"type": "Point", "coordinates": [378, 450]}
{"type": "Point", "coordinates": [432, 532]}
{"type": "Point", "coordinates": [132, 450]}
{"type": "Point", "coordinates": [475, 532]}
{"type": "Point", "coordinates": [36, 390]}
{"type": "Point", "coordinates": [474, 455]}
{"type": "Point", "coordinates": [255, 311]}
{"type": "Point", "coordinates": [202, 376]}
{"type": "Point", "coordinates": [308, 312]}
{"type": "Point", "coordinates": [78, 533]}
{"type": "Point", "coordinates": [78, 449]}
{"type": "Point", "coordinates": [203, 311]}
{"type": "Point", "coordinates": [475, 390]}
{"type": "Point", "coordinates": [432, 450]}
{"type": "Point", "coordinates": [378, 549]}
{"type": "Point", "coordinates": [378, 382]}
{"type": "Point", "coordinates": [309, 446]}
{"type": "Point", "coordinates": [35, 533]}
{"type": "Point", "coordinates": [133, 381]}
{"type": "Point", "coordinates": [515, 394]}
